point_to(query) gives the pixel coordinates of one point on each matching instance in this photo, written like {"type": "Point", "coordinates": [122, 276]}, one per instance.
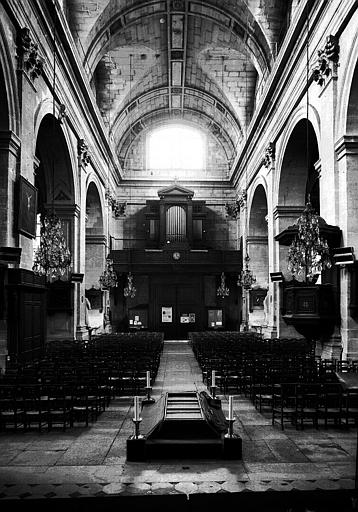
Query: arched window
{"type": "Point", "coordinates": [176, 148]}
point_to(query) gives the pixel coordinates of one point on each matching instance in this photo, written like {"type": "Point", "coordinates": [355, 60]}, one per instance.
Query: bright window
{"type": "Point", "coordinates": [176, 148]}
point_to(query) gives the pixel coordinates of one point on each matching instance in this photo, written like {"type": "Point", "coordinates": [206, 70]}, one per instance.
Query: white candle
{"type": "Point", "coordinates": [136, 408]}
{"type": "Point", "coordinates": [213, 378]}
{"type": "Point", "coordinates": [148, 379]}
{"type": "Point", "coordinates": [231, 407]}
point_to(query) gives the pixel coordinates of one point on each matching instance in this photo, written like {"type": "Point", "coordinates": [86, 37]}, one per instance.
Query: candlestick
{"type": "Point", "coordinates": [148, 379]}
{"type": "Point", "coordinates": [213, 378]}
{"type": "Point", "coordinates": [231, 407]}
{"type": "Point", "coordinates": [136, 408]}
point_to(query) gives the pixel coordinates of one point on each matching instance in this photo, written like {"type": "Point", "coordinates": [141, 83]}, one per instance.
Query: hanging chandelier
{"type": "Point", "coordinates": [308, 254]}
{"type": "Point", "coordinates": [223, 291]}
{"type": "Point", "coordinates": [130, 290]}
{"type": "Point", "coordinates": [109, 277]}
{"type": "Point", "coordinates": [246, 278]}
{"type": "Point", "coordinates": [52, 257]}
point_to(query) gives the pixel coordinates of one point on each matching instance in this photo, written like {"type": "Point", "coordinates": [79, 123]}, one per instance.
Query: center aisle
{"type": "Point", "coordinates": [178, 370]}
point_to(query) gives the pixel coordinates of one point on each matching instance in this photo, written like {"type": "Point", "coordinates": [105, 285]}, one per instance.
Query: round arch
{"type": "Point", "coordinates": [257, 212]}
{"type": "Point", "coordinates": [94, 210]}
{"type": "Point", "coordinates": [299, 115]}
{"type": "Point", "coordinates": [46, 109]}
{"type": "Point", "coordinates": [348, 90]}
{"type": "Point", "coordinates": [9, 107]}
{"type": "Point", "coordinates": [258, 250]}
{"type": "Point", "coordinates": [54, 177]}
{"type": "Point", "coordinates": [297, 177]}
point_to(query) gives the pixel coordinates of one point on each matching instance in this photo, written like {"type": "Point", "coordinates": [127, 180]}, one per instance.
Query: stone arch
{"type": "Point", "coordinates": [9, 107]}
{"type": "Point", "coordinates": [297, 116]}
{"type": "Point", "coordinates": [56, 193]}
{"type": "Point", "coordinates": [352, 107]}
{"type": "Point", "coordinates": [258, 212]}
{"type": "Point", "coordinates": [46, 108]}
{"type": "Point", "coordinates": [258, 250]}
{"type": "Point", "coordinates": [347, 159]}
{"type": "Point", "coordinates": [94, 210]}
{"type": "Point", "coordinates": [54, 176]}
{"type": "Point", "coordinates": [297, 174]}
{"type": "Point", "coordinates": [347, 91]}
{"type": "Point", "coordinates": [96, 252]}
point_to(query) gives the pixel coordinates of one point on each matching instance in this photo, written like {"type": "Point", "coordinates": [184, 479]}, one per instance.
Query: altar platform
{"type": "Point", "coordinates": [86, 467]}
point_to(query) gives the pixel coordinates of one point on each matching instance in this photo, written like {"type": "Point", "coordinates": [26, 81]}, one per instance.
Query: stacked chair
{"type": "Point", "coordinates": [73, 382]}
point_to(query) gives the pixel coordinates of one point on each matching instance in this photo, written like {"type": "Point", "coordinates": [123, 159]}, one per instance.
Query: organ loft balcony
{"type": "Point", "coordinates": [180, 234]}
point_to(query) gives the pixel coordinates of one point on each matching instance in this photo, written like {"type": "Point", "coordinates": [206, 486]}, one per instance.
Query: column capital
{"type": "Point", "coordinates": [270, 155]}
{"type": "Point", "coordinates": [346, 145]}
{"type": "Point", "coordinates": [64, 210]}
{"type": "Point", "coordinates": [327, 60]}
{"type": "Point", "coordinates": [242, 200]}
{"type": "Point", "coordinates": [28, 54]}
{"type": "Point", "coordinates": [233, 210]}
{"type": "Point", "coordinates": [257, 240]}
{"type": "Point", "coordinates": [10, 142]}
{"type": "Point", "coordinates": [280, 212]}
{"type": "Point", "coordinates": [83, 152]}
{"type": "Point", "coordinates": [96, 239]}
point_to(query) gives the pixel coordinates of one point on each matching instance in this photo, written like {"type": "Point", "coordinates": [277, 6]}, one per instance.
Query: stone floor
{"type": "Point", "coordinates": [318, 466]}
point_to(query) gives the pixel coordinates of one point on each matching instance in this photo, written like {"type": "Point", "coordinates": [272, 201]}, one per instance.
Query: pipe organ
{"type": "Point", "coordinates": [175, 220]}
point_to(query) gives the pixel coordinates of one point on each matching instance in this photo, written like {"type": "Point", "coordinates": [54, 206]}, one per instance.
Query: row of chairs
{"type": "Point", "coordinates": [78, 363]}
{"type": "Point", "coordinates": [27, 407]}
{"type": "Point", "coordinates": [300, 403]}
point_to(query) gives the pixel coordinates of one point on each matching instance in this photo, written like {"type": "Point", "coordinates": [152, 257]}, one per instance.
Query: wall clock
{"type": "Point", "coordinates": [176, 255]}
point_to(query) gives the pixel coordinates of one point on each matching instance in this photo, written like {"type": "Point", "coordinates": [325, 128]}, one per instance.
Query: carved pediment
{"type": "Point", "coordinates": [175, 191]}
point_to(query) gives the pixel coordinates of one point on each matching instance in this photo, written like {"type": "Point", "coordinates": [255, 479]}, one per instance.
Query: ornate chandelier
{"type": "Point", "coordinates": [130, 290]}
{"type": "Point", "coordinates": [308, 254]}
{"type": "Point", "coordinates": [52, 257]}
{"type": "Point", "coordinates": [246, 278]}
{"type": "Point", "coordinates": [109, 278]}
{"type": "Point", "coordinates": [223, 291]}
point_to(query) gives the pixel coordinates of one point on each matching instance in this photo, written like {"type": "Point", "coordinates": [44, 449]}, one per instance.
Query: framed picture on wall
{"type": "Point", "coordinates": [26, 224]}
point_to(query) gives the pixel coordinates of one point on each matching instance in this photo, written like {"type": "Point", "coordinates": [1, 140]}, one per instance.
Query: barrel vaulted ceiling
{"type": "Point", "coordinates": [202, 62]}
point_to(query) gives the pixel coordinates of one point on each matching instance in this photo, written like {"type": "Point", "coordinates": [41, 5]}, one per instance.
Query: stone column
{"type": "Point", "coordinates": [272, 297]}
{"type": "Point", "coordinates": [243, 228]}
{"type": "Point", "coordinates": [9, 152]}
{"type": "Point", "coordinates": [84, 158]}
{"type": "Point", "coordinates": [30, 67]}
{"type": "Point", "coordinates": [347, 158]}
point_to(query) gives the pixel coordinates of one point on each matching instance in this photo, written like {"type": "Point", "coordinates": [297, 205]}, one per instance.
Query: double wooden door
{"type": "Point", "coordinates": [176, 305]}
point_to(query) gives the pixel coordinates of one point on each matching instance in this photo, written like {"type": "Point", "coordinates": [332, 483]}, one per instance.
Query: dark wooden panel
{"type": "Point", "coordinates": [26, 313]}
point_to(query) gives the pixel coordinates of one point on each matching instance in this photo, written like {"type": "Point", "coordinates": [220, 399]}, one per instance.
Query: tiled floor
{"type": "Point", "coordinates": [91, 462]}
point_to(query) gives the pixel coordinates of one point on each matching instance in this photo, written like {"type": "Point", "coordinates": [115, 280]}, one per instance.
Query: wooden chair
{"type": "Point", "coordinates": [284, 404]}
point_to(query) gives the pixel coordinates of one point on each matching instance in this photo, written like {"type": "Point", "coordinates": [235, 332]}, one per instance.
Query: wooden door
{"type": "Point", "coordinates": [180, 295]}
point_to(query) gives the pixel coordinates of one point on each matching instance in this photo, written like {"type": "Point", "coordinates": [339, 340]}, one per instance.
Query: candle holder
{"type": "Point", "coordinates": [136, 450]}
{"type": "Point", "coordinates": [230, 432]}
{"type": "Point", "coordinates": [149, 399]}
{"type": "Point", "coordinates": [213, 391]}
{"type": "Point", "coordinates": [136, 428]}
